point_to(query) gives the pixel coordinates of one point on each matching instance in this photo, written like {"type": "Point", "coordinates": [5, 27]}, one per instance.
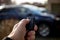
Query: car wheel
{"type": "Point", "coordinates": [44, 30]}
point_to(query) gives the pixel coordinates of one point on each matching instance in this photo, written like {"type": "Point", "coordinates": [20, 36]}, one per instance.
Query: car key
{"type": "Point", "coordinates": [30, 25]}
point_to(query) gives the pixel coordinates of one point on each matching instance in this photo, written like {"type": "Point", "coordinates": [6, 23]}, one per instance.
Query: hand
{"type": "Point", "coordinates": [19, 31]}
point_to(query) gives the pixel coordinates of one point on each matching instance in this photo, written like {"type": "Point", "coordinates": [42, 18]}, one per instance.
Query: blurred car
{"type": "Point", "coordinates": [43, 19]}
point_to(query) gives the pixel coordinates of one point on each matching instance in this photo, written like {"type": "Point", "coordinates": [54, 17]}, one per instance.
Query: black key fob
{"type": "Point", "coordinates": [30, 25]}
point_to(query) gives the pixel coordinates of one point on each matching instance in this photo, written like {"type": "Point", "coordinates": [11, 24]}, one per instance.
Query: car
{"type": "Point", "coordinates": [43, 19]}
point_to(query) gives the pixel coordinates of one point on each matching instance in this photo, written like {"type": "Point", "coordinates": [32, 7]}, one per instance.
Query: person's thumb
{"type": "Point", "coordinates": [23, 22]}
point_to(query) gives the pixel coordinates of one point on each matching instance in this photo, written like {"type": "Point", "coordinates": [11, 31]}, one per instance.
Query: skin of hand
{"type": "Point", "coordinates": [19, 31]}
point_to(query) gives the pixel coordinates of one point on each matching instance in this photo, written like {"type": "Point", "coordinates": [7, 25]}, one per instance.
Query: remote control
{"type": "Point", "coordinates": [30, 25]}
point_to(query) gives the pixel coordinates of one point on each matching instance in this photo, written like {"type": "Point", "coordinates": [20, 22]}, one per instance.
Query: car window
{"type": "Point", "coordinates": [22, 10]}
{"type": "Point", "coordinates": [10, 12]}
{"type": "Point", "coordinates": [4, 11]}
{"type": "Point", "coordinates": [44, 11]}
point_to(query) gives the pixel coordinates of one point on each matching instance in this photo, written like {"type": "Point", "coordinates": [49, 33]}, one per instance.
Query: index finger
{"type": "Point", "coordinates": [35, 28]}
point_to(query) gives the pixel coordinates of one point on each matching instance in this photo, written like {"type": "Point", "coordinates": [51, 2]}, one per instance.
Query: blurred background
{"type": "Point", "coordinates": [7, 24]}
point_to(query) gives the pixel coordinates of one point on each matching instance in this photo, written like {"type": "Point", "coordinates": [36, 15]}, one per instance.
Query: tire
{"type": "Point", "coordinates": [44, 30]}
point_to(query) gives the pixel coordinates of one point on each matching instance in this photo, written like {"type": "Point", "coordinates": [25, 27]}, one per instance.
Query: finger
{"type": "Point", "coordinates": [19, 22]}
{"type": "Point", "coordinates": [31, 38]}
{"type": "Point", "coordinates": [28, 38]}
{"type": "Point", "coordinates": [35, 28]}
{"type": "Point", "coordinates": [31, 33]}
{"type": "Point", "coordinates": [23, 22]}
{"type": "Point", "coordinates": [15, 26]}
